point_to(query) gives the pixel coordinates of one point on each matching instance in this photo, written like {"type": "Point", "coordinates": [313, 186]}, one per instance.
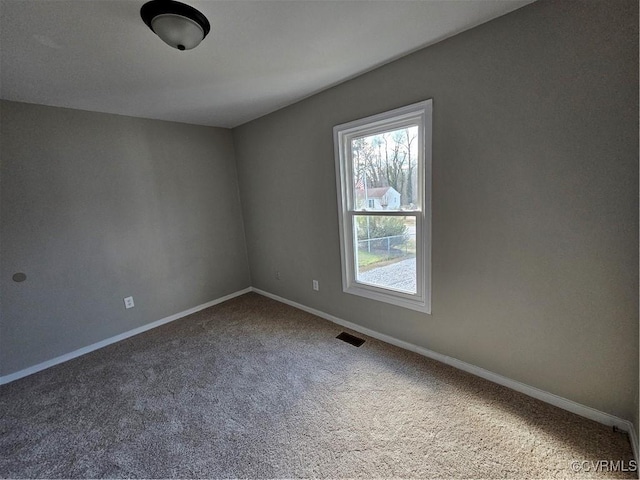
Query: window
{"type": "Point", "coordinates": [383, 169]}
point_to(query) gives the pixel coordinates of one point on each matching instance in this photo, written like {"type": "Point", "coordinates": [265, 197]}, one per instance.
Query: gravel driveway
{"type": "Point", "coordinates": [400, 275]}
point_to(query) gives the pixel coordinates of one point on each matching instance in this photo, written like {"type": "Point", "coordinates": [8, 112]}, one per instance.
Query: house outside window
{"type": "Point", "coordinates": [383, 171]}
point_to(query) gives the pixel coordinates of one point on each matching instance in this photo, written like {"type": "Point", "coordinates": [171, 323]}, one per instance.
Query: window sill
{"type": "Point", "coordinates": [394, 298]}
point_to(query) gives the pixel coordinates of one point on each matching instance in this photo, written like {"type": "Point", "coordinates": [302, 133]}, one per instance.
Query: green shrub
{"type": "Point", "coordinates": [382, 227]}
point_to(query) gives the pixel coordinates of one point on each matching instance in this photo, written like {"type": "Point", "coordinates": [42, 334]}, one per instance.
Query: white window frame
{"type": "Point", "coordinates": [416, 114]}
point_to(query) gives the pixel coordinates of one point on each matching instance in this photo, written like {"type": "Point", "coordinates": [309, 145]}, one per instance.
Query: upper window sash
{"type": "Point", "coordinates": [405, 117]}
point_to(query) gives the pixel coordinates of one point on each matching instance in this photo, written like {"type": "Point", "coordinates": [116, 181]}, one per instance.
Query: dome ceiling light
{"type": "Point", "coordinates": [178, 25]}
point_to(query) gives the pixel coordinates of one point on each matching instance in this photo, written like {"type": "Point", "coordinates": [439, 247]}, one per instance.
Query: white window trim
{"type": "Point", "coordinates": [422, 113]}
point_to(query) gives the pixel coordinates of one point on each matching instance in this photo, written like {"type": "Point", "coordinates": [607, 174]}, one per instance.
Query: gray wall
{"type": "Point", "coordinates": [96, 207]}
{"type": "Point", "coordinates": [535, 198]}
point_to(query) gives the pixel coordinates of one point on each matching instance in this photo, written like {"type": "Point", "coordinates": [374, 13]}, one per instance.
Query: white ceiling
{"type": "Point", "coordinates": [260, 55]}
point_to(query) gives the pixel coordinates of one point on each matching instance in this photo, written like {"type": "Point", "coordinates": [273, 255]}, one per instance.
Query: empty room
{"type": "Point", "coordinates": [319, 239]}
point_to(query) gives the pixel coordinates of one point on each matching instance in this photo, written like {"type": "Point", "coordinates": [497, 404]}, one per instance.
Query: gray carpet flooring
{"type": "Point", "coordinates": [253, 388]}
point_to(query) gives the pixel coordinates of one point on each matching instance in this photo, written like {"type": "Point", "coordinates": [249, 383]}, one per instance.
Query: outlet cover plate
{"type": "Point", "coordinates": [128, 302]}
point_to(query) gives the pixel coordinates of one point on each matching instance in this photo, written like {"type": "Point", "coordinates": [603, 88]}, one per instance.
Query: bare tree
{"type": "Point", "coordinates": [408, 140]}
{"type": "Point", "coordinates": [395, 161]}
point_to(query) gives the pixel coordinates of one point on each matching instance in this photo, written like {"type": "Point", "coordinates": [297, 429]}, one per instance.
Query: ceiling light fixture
{"type": "Point", "coordinates": [178, 25]}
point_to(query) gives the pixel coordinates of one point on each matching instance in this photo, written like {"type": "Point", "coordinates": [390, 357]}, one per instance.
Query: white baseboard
{"type": "Point", "coordinates": [95, 346]}
{"type": "Point", "coordinates": [565, 404]}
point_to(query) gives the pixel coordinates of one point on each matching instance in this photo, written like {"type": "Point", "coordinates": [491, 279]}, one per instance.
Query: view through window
{"type": "Point", "coordinates": [385, 176]}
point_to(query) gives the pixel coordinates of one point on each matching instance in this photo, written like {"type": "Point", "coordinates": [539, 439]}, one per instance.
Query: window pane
{"type": "Point", "coordinates": [385, 252]}
{"type": "Point", "coordinates": [385, 170]}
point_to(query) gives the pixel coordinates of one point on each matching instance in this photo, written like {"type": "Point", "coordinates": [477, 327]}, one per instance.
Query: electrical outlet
{"type": "Point", "coordinates": [316, 285]}
{"type": "Point", "coordinates": [277, 274]}
{"type": "Point", "coordinates": [128, 302]}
